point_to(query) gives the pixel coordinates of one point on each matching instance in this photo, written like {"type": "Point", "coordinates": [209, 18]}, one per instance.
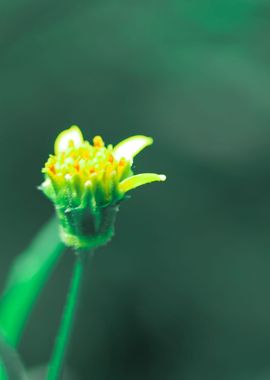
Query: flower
{"type": "Point", "coordinates": [87, 181]}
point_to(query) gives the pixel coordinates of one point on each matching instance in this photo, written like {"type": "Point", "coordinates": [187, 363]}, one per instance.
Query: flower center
{"type": "Point", "coordinates": [87, 165]}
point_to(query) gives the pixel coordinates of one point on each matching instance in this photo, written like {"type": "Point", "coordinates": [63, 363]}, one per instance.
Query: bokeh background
{"type": "Point", "coordinates": [182, 291]}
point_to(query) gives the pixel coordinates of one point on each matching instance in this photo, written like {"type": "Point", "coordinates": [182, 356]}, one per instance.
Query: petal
{"type": "Point", "coordinates": [62, 141]}
{"type": "Point", "coordinates": [131, 146]}
{"type": "Point", "coordinates": [139, 180]}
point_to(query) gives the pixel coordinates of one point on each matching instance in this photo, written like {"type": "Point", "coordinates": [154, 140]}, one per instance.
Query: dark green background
{"type": "Point", "coordinates": [182, 292]}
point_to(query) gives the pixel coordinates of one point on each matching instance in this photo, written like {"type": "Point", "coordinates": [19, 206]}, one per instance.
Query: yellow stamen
{"type": "Point", "coordinates": [98, 142]}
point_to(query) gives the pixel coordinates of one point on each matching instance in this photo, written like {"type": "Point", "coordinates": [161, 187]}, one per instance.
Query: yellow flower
{"type": "Point", "coordinates": [87, 181]}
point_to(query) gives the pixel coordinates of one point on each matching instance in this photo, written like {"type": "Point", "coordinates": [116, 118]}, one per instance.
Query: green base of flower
{"type": "Point", "coordinates": [87, 228]}
{"type": "Point", "coordinates": [83, 242]}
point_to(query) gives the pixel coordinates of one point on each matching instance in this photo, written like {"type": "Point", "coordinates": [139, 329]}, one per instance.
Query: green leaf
{"type": "Point", "coordinates": [11, 367]}
{"type": "Point", "coordinates": [28, 275]}
{"type": "Point", "coordinates": [131, 146]}
{"type": "Point", "coordinates": [3, 373]}
{"type": "Point", "coordinates": [139, 180]}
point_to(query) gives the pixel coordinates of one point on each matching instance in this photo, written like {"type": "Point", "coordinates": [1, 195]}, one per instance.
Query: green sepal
{"type": "Point", "coordinates": [87, 227]}
{"type": "Point", "coordinates": [47, 188]}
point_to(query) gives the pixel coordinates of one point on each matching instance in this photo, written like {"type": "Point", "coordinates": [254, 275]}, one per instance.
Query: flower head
{"type": "Point", "coordinates": [87, 181]}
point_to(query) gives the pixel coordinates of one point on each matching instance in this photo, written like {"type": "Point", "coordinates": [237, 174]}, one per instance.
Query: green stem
{"type": "Point", "coordinates": [62, 340]}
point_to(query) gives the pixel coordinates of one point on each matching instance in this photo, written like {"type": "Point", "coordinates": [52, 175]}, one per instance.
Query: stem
{"type": "Point", "coordinates": [62, 340]}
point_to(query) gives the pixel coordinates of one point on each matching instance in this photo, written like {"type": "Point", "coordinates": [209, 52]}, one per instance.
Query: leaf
{"type": "Point", "coordinates": [131, 146]}
{"type": "Point", "coordinates": [28, 275]}
{"type": "Point", "coordinates": [3, 373]}
{"type": "Point", "coordinates": [139, 180]}
{"type": "Point", "coordinates": [11, 367]}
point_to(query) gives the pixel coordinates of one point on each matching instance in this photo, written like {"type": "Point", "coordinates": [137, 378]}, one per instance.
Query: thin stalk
{"type": "Point", "coordinates": [61, 344]}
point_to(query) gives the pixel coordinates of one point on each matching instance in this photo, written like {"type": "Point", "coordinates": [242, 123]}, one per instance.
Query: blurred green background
{"type": "Point", "coordinates": [182, 291]}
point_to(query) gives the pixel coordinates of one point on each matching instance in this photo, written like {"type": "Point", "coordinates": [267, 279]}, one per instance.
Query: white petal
{"type": "Point", "coordinates": [131, 146]}
{"type": "Point", "coordinates": [139, 180]}
{"type": "Point", "coordinates": [63, 139]}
